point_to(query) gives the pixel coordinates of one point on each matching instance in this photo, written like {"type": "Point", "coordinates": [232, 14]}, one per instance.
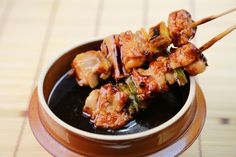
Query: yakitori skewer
{"type": "Point", "coordinates": [123, 52]}
{"type": "Point", "coordinates": [209, 18]}
{"type": "Point", "coordinates": [112, 106]}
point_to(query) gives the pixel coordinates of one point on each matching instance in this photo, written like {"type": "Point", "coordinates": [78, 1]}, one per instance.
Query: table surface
{"type": "Point", "coordinates": [32, 32]}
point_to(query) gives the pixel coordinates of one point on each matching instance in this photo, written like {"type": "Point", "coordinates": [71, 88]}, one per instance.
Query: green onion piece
{"type": "Point", "coordinates": [123, 87]}
{"type": "Point", "coordinates": [180, 75]}
{"type": "Point", "coordinates": [131, 85]}
{"type": "Point", "coordinates": [130, 90]}
{"type": "Point", "coordinates": [133, 105]}
{"type": "Point", "coordinates": [131, 109]}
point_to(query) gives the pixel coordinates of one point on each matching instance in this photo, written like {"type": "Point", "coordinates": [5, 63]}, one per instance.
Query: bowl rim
{"type": "Point", "coordinates": [43, 73]}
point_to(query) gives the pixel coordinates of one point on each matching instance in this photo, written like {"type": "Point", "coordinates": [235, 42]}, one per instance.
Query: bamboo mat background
{"type": "Point", "coordinates": [34, 31]}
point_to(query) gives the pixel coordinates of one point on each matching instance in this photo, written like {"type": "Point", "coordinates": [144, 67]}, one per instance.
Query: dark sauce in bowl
{"type": "Point", "coordinates": [67, 100]}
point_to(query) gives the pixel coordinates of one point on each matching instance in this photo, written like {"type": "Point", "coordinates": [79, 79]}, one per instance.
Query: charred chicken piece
{"type": "Point", "coordinates": [132, 54]}
{"type": "Point", "coordinates": [105, 106]}
{"type": "Point", "coordinates": [151, 81]}
{"type": "Point", "coordinates": [89, 67]}
{"type": "Point", "coordinates": [197, 67]}
{"type": "Point", "coordinates": [135, 49]}
{"type": "Point", "coordinates": [180, 27]}
{"type": "Point", "coordinates": [183, 56]}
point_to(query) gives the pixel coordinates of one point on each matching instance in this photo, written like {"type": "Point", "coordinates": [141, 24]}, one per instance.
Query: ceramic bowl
{"type": "Point", "coordinates": [91, 144]}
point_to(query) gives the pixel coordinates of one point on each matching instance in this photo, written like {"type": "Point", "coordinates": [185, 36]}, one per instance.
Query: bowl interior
{"type": "Point", "coordinates": [66, 99]}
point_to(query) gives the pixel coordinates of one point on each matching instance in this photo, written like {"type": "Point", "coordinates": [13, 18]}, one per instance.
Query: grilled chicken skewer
{"type": "Point", "coordinates": [123, 52]}
{"type": "Point", "coordinates": [112, 106]}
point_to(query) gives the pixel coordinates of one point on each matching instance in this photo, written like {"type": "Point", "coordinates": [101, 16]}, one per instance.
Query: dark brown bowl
{"type": "Point", "coordinates": [91, 144]}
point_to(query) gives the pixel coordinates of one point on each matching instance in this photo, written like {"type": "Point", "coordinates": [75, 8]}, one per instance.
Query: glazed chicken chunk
{"type": "Point", "coordinates": [183, 56]}
{"type": "Point", "coordinates": [105, 106]}
{"type": "Point", "coordinates": [134, 49]}
{"type": "Point", "coordinates": [180, 27]}
{"type": "Point", "coordinates": [199, 66]}
{"type": "Point", "coordinates": [153, 80]}
{"type": "Point", "coordinates": [89, 67]}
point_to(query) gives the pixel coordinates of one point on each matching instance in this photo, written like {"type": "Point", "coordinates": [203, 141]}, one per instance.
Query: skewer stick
{"type": "Point", "coordinates": [209, 18]}
{"type": "Point", "coordinates": [216, 38]}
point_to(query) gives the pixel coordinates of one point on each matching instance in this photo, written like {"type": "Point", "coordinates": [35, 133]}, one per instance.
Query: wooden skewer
{"type": "Point", "coordinates": [209, 18]}
{"type": "Point", "coordinates": [216, 38]}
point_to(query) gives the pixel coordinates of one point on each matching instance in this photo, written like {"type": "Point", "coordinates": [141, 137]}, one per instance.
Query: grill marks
{"type": "Point", "coordinates": [156, 33]}
{"type": "Point", "coordinates": [119, 56]}
{"type": "Point", "coordinates": [116, 57]}
{"type": "Point", "coordinates": [112, 49]}
{"type": "Point", "coordinates": [109, 50]}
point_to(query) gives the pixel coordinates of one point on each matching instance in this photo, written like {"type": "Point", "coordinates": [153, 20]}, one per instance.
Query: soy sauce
{"type": "Point", "coordinates": [67, 100]}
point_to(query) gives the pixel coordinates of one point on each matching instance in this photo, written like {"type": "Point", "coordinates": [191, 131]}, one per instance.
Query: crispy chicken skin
{"type": "Point", "coordinates": [89, 67]}
{"type": "Point", "coordinates": [180, 27]}
{"type": "Point", "coordinates": [105, 106]}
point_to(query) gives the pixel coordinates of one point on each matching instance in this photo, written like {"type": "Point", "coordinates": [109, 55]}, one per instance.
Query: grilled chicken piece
{"type": "Point", "coordinates": [197, 67]}
{"type": "Point", "coordinates": [105, 106]}
{"type": "Point", "coordinates": [133, 49]}
{"type": "Point", "coordinates": [183, 56]}
{"type": "Point", "coordinates": [145, 84]}
{"type": "Point", "coordinates": [153, 80]}
{"type": "Point", "coordinates": [89, 67]}
{"type": "Point", "coordinates": [180, 27]}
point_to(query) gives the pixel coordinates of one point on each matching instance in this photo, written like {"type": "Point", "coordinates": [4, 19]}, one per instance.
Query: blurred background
{"type": "Point", "coordinates": [32, 32]}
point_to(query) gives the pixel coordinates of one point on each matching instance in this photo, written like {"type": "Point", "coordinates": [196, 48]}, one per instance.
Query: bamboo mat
{"type": "Point", "coordinates": [32, 32]}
